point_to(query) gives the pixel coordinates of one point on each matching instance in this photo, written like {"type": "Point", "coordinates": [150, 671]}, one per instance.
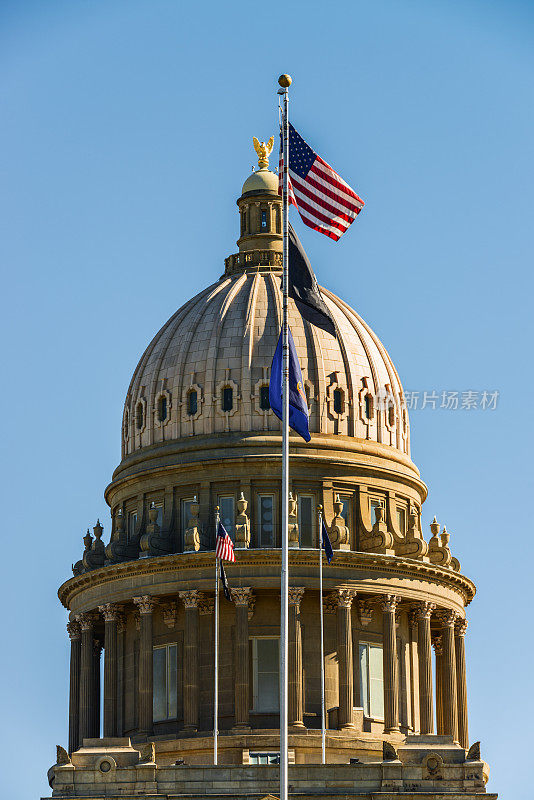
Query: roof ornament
{"type": "Point", "coordinates": [264, 151]}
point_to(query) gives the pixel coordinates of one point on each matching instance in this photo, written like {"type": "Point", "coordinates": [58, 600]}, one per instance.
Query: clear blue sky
{"type": "Point", "coordinates": [125, 137]}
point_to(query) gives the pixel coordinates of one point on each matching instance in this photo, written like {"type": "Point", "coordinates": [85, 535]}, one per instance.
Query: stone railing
{"type": "Point", "coordinates": [252, 259]}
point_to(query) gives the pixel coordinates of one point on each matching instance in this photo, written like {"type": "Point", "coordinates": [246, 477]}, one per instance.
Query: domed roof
{"type": "Point", "coordinates": [262, 180]}
{"type": "Point", "coordinates": [225, 337]}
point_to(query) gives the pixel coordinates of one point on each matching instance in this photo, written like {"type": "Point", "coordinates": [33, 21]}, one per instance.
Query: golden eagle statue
{"type": "Point", "coordinates": [263, 150]}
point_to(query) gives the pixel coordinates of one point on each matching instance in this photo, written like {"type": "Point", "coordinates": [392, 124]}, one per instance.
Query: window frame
{"type": "Point", "coordinates": [228, 496]}
{"type": "Point", "coordinates": [307, 496]}
{"type": "Point", "coordinates": [257, 526]}
{"type": "Point", "coordinates": [378, 646]}
{"type": "Point", "coordinates": [168, 674]}
{"type": "Point", "coordinates": [255, 675]}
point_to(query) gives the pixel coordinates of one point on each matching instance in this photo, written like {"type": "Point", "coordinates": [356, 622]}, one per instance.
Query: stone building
{"type": "Point", "coordinates": [197, 434]}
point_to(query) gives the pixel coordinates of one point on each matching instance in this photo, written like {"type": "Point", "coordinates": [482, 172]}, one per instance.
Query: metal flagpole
{"type": "Point", "coordinates": [284, 82]}
{"type": "Point", "coordinates": [323, 721]}
{"type": "Point", "coordinates": [216, 686]}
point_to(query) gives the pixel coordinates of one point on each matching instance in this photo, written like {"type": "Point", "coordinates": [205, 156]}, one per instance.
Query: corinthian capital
{"type": "Point", "coordinates": [344, 597]}
{"type": "Point", "coordinates": [447, 618]}
{"type": "Point", "coordinates": [191, 598]}
{"type": "Point", "coordinates": [110, 612]}
{"type": "Point", "coordinates": [460, 627]}
{"type": "Point", "coordinates": [389, 603]}
{"type": "Point", "coordinates": [85, 620]}
{"type": "Point", "coordinates": [295, 595]}
{"type": "Point", "coordinates": [74, 630]}
{"type": "Point", "coordinates": [242, 597]}
{"type": "Point", "coordinates": [145, 604]}
{"type": "Point", "coordinates": [437, 644]}
{"type": "Point", "coordinates": [424, 610]}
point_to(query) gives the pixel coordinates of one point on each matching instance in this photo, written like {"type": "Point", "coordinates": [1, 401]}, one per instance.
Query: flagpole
{"type": "Point", "coordinates": [216, 686]}
{"type": "Point", "coordinates": [323, 721]}
{"type": "Point", "coordinates": [284, 82]}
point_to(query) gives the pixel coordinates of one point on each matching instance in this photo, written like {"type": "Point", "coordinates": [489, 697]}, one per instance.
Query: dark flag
{"type": "Point", "coordinates": [326, 544]}
{"type": "Point", "coordinates": [304, 289]}
{"type": "Point", "coordinates": [298, 407]}
{"type": "Point", "coordinates": [226, 588]}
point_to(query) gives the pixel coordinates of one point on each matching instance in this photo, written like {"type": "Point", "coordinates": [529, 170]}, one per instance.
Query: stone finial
{"type": "Point", "coordinates": [94, 555]}
{"type": "Point", "coordinates": [242, 523]}
{"type": "Point", "coordinates": [438, 549]}
{"type": "Point", "coordinates": [413, 545]}
{"type": "Point", "coordinates": [293, 523]}
{"type": "Point", "coordinates": [192, 533]}
{"type": "Point", "coordinates": [98, 530]}
{"type": "Point", "coordinates": [88, 540]}
{"type": "Point", "coordinates": [339, 532]}
{"type": "Point", "coordinates": [119, 522]}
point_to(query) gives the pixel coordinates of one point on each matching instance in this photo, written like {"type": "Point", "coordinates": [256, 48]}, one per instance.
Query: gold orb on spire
{"type": "Point", "coordinates": [285, 81]}
{"type": "Point", "coordinates": [264, 151]}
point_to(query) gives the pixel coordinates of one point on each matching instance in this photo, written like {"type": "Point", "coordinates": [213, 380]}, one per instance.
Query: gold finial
{"type": "Point", "coordinates": [285, 81]}
{"type": "Point", "coordinates": [263, 150]}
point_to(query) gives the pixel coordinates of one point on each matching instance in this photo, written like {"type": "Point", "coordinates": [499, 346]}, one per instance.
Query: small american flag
{"type": "Point", "coordinates": [324, 201]}
{"type": "Point", "coordinates": [224, 548]}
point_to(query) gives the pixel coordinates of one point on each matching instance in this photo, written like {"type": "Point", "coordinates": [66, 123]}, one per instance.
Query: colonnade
{"type": "Point", "coordinates": [444, 629]}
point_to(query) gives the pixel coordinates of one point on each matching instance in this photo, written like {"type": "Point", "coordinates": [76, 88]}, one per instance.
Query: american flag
{"type": "Point", "coordinates": [324, 201]}
{"type": "Point", "coordinates": [224, 548]}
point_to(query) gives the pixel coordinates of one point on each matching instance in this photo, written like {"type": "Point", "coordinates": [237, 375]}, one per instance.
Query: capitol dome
{"type": "Point", "coordinates": [207, 370]}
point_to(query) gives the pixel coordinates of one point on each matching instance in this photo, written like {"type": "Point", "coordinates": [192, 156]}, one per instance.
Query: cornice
{"type": "Point", "coordinates": [357, 454]}
{"type": "Point", "coordinates": [192, 562]}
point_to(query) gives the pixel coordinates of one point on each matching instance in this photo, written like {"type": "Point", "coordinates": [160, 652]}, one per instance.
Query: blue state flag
{"type": "Point", "coordinates": [298, 407]}
{"type": "Point", "coordinates": [326, 543]}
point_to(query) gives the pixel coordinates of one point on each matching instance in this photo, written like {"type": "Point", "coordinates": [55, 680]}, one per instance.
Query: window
{"type": "Point", "coordinates": [132, 524]}
{"type": "Point", "coordinates": [227, 514]}
{"type": "Point", "coordinates": [265, 520]}
{"type": "Point", "coordinates": [186, 514]}
{"type": "Point", "coordinates": [165, 694]}
{"type": "Point", "coordinates": [140, 416]}
{"type": "Point", "coordinates": [162, 408]}
{"type": "Point", "coordinates": [338, 401]}
{"type": "Point", "coordinates": [368, 404]}
{"type": "Point", "coordinates": [227, 399]}
{"type": "Point", "coordinates": [345, 511]}
{"type": "Point", "coordinates": [192, 403]}
{"type": "Point", "coordinates": [306, 517]}
{"type": "Point", "coordinates": [263, 758]}
{"type": "Point", "coordinates": [371, 680]}
{"type": "Point", "coordinates": [374, 505]}
{"type": "Point", "coordinates": [265, 668]}
{"type": "Point", "coordinates": [264, 398]}
{"type": "Point", "coordinates": [264, 220]}
{"type": "Point", "coordinates": [242, 222]}
{"type": "Point", "coordinates": [391, 414]}
{"type": "Point", "coordinates": [401, 519]}
{"type": "Point", "coordinates": [308, 395]}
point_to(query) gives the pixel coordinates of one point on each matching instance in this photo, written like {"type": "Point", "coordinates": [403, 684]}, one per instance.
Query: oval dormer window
{"type": "Point", "coordinates": [192, 402]}
{"type": "Point", "coordinates": [140, 416]}
{"type": "Point", "coordinates": [162, 408]}
{"type": "Point", "coordinates": [227, 399]}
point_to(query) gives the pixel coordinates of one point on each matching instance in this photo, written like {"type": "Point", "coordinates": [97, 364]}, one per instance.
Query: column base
{"type": "Point", "coordinates": [348, 726]}
{"type": "Point", "coordinates": [392, 730]}
{"type": "Point", "coordinates": [296, 726]}
{"type": "Point", "coordinates": [241, 727]}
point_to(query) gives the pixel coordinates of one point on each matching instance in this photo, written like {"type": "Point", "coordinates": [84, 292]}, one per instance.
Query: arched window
{"type": "Point", "coordinates": [391, 414]}
{"type": "Point", "coordinates": [369, 406]}
{"type": "Point", "coordinates": [264, 398]}
{"type": "Point", "coordinates": [227, 399]}
{"type": "Point", "coordinates": [140, 416]}
{"type": "Point", "coordinates": [162, 408]}
{"type": "Point", "coordinates": [263, 220]}
{"type": "Point", "coordinates": [338, 401]}
{"type": "Point", "coordinates": [192, 402]}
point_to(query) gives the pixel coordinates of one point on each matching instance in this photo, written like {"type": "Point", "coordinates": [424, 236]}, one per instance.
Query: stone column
{"type": "Point", "coordinates": [87, 675]}
{"type": "Point", "coordinates": [242, 599]}
{"type": "Point", "coordinates": [110, 612]}
{"type": "Point", "coordinates": [450, 711]}
{"type": "Point", "coordinates": [75, 635]}
{"type": "Point", "coordinates": [436, 642]}
{"type": "Point", "coordinates": [344, 598]}
{"type": "Point", "coordinates": [424, 649]}
{"type": "Point", "coordinates": [121, 630]}
{"type": "Point", "coordinates": [146, 720]}
{"type": "Point", "coordinates": [191, 683]}
{"type": "Point", "coordinates": [389, 652]}
{"type": "Point", "coordinates": [295, 699]}
{"type": "Point", "coordinates": [461, 682]}
{"type": "Point", "coordinates": [97, 651]}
